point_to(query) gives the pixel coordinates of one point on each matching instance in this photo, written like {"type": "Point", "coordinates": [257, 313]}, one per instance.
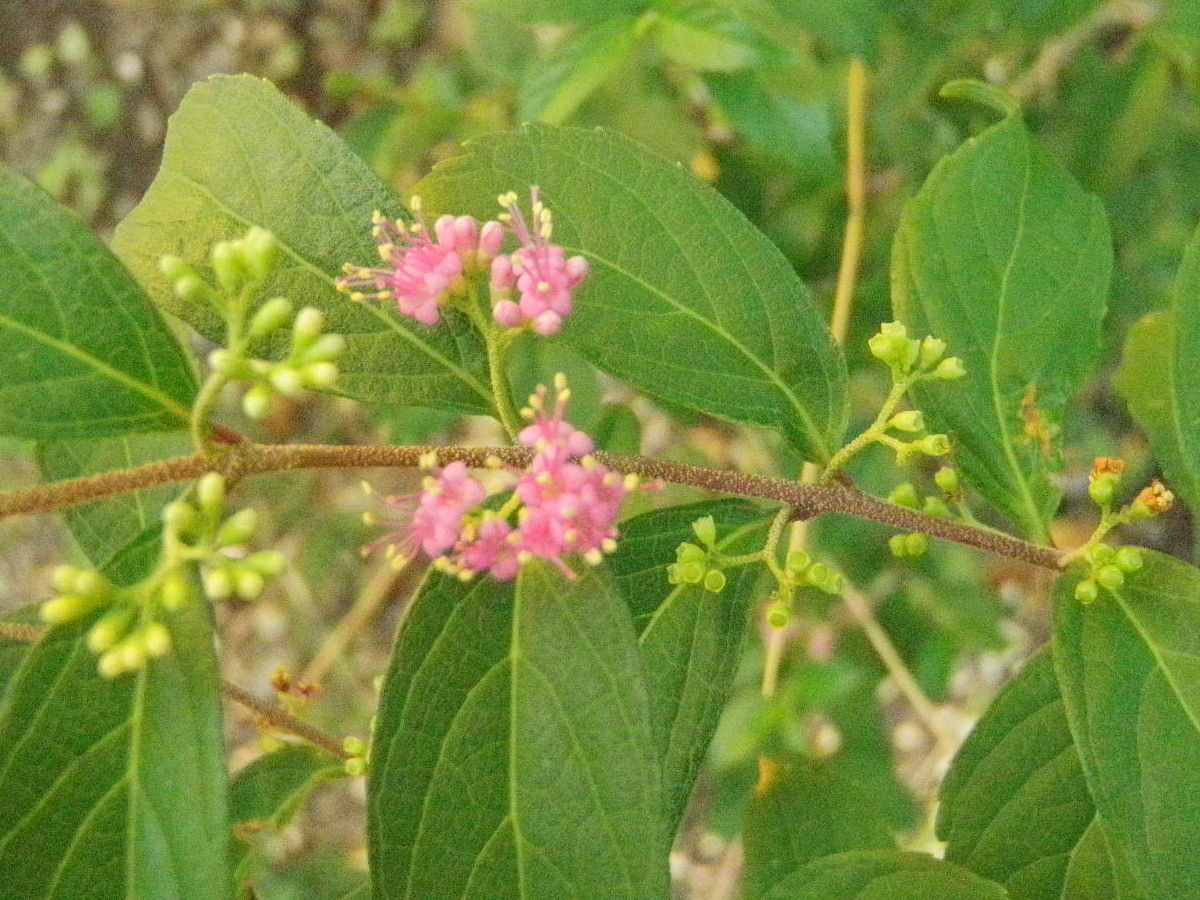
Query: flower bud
{"type": "Point", "coordinates": [174, 268]}
{"type": "Point", "coordinates": [260, 252]}
{"type": "Point", "coordinates": [267, 563]}
{"type": "Point", "coordinates": [355, 746]}
{"type": "Point", "coordinates": [63, 578]}
{"type": "Point", "coordinates": [797, 561]}
{"type": "Point", "coordinates": [932, 349]}
{"type": "Point", "coordinates": [779, 614]}
{"type": "Point", "coordinates": [229, 265]}
{"type": "Point", "coordinates": [287, 381]}
{"type": "Point", "coordinates": [691, 572]}
{"type": "Point", "coordinates": [176, 592]}
{"type": "Point", "coordinates": [898, 546]}
{"type": "Point", "coordinates": [946, 479]}
{"type": "Point", "coordinates": [916, 544]}
{"type": "Point", "coordinates": [238, 528]}
{"type": "Point", "coordinates": [218, 585]}
{"type": "Point", "coordinates": [256, 402]}
{"type": "Point", "coordinates": [936, 506]}
{"type": "Point", "coordinates": [64, 610]}
{"type": "Point", "coordinates": [322, 375]}
{"type": "Point", "coordinates": [271, 316]}
{"type": "Point", "coordinates": [248, 584]}
{"type": "Point", "coordinates": [909, 420]}
{"type": "Point", "coordinates": [324, 348]}
{"type": "Point", "coordinates": [906, 495]}
{"type": "Point", "coordinates": [110, 665]}
{"type": "Point", "coordinates": [687, 552]}
{"type": "Point", "coordinates": [355, 766]}
{"type": "Point", "coordinates": [1100, 554]}
{"type": "Point", "coordinates": [155, 639]}
{"type": "Point", "coordinates": [934, 445]}
{"type": "Point", "coordinates": [1086, 591]}
{"type": "Point", "coordinates": [1102, 489]}
{"type": "Point", "coordinates": [674, 574]}
{"type": "Point", "coordinates": [1129, 559]}
{"type": "Point", "coordinates": [179, 516]}
{"type": "Point", "coordinates": [191, 288]}
{"type": "Point", "coordinates": [714, 581]}
{"type": "Point", "coordinates": [950, 368]}
{"type": "Point", "coordinates": [210, 492]}
{"type": "Point", "coordinates": [309, 324]}
{"type": "Point", "coordinates": [106, 633]}
{"type": "Point", "coordinates": [705, 529]}
{"type": "Point", "coordinates": [1110, 577]}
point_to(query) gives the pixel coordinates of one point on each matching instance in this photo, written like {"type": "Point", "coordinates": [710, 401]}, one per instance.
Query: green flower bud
{"type": "Point", "coordinates": [687, 552]}
{"type": "Point", "coordinates": [210, 492]}
{"type": "Point", "coordinates": [898, 545]}
{"type": "Point", "coordinates": [106, 633]}
{"type": "Point", "coordinates": [1102, 489]}
{"type": "Point", "coordinates": [1110, 577]}
{"type": "Point", "coordinates": [949, 369]}
{"type": "Point", "coordinates": [174, 268]}
{"type": "Point", "coordinates": [238, 528]}
{"type": "Point", "coordinates": [1086, 591]}
{"type": "Point", "coordinates": [179, 516]}
{"type": "Point", "coordinates": [936, 506]}
{"type": "Point", "coordinates": [1100, 554]}
{"type": "Point", "coordinates": [691, 572]}
{"type": "Point", "coordinates": [155, 639]}
{"type": "Point", "coordinates": [916, 544]}
{"type": "Point", "coordinates": [946, 479]}
{"type": "Point", "coordinates": [355, 746]}
{"type": "Point", "coordinates": [309, 324]}
{"type": "Point", "coordinates": [132, 653]}
{"type": "Point", "coordinates": [248, 584]}
{"type": "Point", "coordinates": [260, 251]}
{"type": "Point", "coordinates": [325, 348]}
{"type": "Point", "coordinates": [267, 563]}
{"type": "Point", "coordinates": [287, 381]}
{"type": "Point", "coordinates": [229, 265]}
{"type": "Point", "coordinates": [256, 402]}
{"type": "Point", "coordinates": [817, 574]}
{"type": "Point", "coordinates": [63, 578]}
{"type": "Point", "coordinates": [320, 375]}
{"type": "Point", "coordinates": [355, 766]}
{"type": "Point", "coordinates": [934, 445]}
{"type": "Point", "coordinates": [176, 592]}
{"type": "Point", "coordinates": [714, 581]}
{"type": "Point", "coordinates": [192, 288]}
{"type": "Point", "coordinates": [797, 561]}
{"type": "Point", "coordinates": [673, 574]}
{"type": "Point", "coordinates": [909, 420]}
{"type": "Point", "coordinates": [906, 495]}
{"type": "Point", "coordinates": [111, 665]}
{"type": "Point", "coordinates": [932, 349]}
{"type": "Point", "coordinates": [218, 584]}
{"type": "Point", "coordinates": [271, 316]}
{"type": "Point", "coordinates": [779, 614]}
{"type": "Point", "coordinates": [1129, 559]}
{"type": "Point", "coordinates": [705, 528]}
{"type": "Point", "coordinates": [64, 610]}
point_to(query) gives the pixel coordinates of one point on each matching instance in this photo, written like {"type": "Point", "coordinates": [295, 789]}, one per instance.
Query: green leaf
{"type": "Point", "coordinates": [106, 527]}
{"type": "Point", "coordinates": [686, 301]}
{"type": "Point", "coordinates": [711, 37]}
{"type": "Point", "coordinates": [1160, 382]}
{"type": "Point", "coordinates": [691, 639]}
{"type": "Point", "coordinates": [569, 11]}
{"type": "Point", "coordinates": [1129, 670]}
{"type": "Point", "coordinates": [556, 86]}
{"type": "Point", "coordinates": [513, 755]}
{"type": "Point", "coordinates": [810, 810]}
{"type": "Point", "coordinates": [1018, 775]}
{"type": "Point", "coordinates": [267, 794]}
{"type": "Point", "coordinates": [86, 355]}
{"type": "Point", "coordinates": [883, 875]}
{"type": "Point", "coordinates": [1005, 258]}
{"type": "Point", "coordinates": [114, 788]}
{"type": "Point", "coordinates": [13, 653]}
{"type": "Point", "coordinates": [237, 154]}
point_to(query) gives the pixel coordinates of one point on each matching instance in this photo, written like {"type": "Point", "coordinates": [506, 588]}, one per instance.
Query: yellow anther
{"type": "Point", "coordinates": [524, 556]}
{"type": "Point", "coordinates": [593, 557]}
{"type": "Point", "coordinates": [609, 545]}
{"type": "Point", "coordinates": [415, 203]}
{"type": "Point", "coordinates": [494, 462]}
{"type": "Point", "coordinates": [427, 460]}
{"type": "Point", "coordinates": [543, 287]}
{"type": "Point", "coordinates": [545, 479]}
{"type": "Point", "coordinates": [368, 518]}
{"type": "Point", "coordinates": [632, 482]}
{"type": "Point", "coordinates": [357, 296]}
{"type": "Point", "coordinates": [366, 487]}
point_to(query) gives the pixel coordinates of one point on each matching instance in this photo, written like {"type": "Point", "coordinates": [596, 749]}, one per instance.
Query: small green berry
{"type": "Point", "coordinates": [688, 552]}
{"type": "Point", "coordinates": [905, 494]}
{"type": "Point", "coordinates": [950, 369]}
{"type": "Point", "coordinates": [1110, 577]}
{"type": "Point", "coordinates": [156, 639]}
{"type": "Point", "coordinates": [916, 544]}
{"type": "Point", "coordinates": [218, 584]}
{"type": "Point", "coordinates": [946, 479]}
{"type": "Point", "coordinates": [898, 545]}
{"type": "Point", "coordinates": [1100, 555]}
{"type": "Point", "coordinates": [1129, 559]}
{"type": "Point", "coordinates": [691, 572]}
{"type": "Point", "coordinates": [248, 584]}
{"type": "Point", "coordinates": [64, 610]}
{"type": "Point", "coordinates": [1102, 489]}
{"type": "Point", "coordinates": [1086, 591]}
{"type": "Point", "coordinates": [797, 561]}
{"type": "Point", "coordinates": [779, 614]}
{"type": "Point", "coordinates": [909, 420]}
{"type": "Point", "coordinates": [355, 766]}
{"type": "Point", "coordinates": [355, 746]}
{"type": "Point", "coordinates": [106, 633]}
{"type": "Point", "coordinates": [934, 445]}
{"type": "Point", "coordinates": [936, 506]}
{"type": "Point", "coordinates": [176, 592]}
{"type": "Point", "coordinates": [714, 581]}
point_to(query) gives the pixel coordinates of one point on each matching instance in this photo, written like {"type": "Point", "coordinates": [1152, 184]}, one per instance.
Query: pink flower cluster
{"type": "Point", "coordinates": [543, 277]}
{"type": "Point", "coordinates": [424, 271]}
{"type": "Point", "coordinates": [564, 502]}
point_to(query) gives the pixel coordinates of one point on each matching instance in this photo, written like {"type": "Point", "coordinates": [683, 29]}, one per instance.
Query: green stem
{"type": "Point", "coordinates": [506, 408]}
{"type": "Point", "coordinates": [874, 432]}
{"type": "Point", "coordinates": [210, 391]}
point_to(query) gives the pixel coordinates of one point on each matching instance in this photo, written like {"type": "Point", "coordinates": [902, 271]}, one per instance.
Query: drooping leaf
{"type": "Point", "coordinates": [513, 755]}
{"type": "Point", "coordinates": [1005, 258]}
{"type": "Point", "coordinates": [687, 301]}
{"type": "Point", "coordinates": [1015, 806]}
{"type": "Point", "coordinates": [114, 788]}
{"type": "Point", "coordinates": [105, 527]}
{"type": "Point", "coordinates": [266, 794]}
{"type": "Point", "coordinates": [85, 353]}
{"type": "Point", "coordinates": [807, 811]}
{"type": "Point", "coordinates": [883, 875]}
{"type": "Point", "coordinates": [237, 154]}
{"type": "Point", "coordinates": [691, 639]}
{"type": "Point", "coordinates": [1160, 382]}
{"type": "Point", "coordinates": [1128, 668]}
{"type": "Point", "coordinates": [556, 86]}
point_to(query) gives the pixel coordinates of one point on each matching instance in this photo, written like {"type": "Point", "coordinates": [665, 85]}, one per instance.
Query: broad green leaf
{"type": "Point", "coordinates": [266, 795]}
{"type": "Point", "coordinates": [1129, 671]}
{"type": "Point", "coordinates": [513, 754]}
{"type": "Point", "coordinates": [1018, 775]}
{"type": "Point", "coordinates": [686, 301]}
{"type": "Point", "coordinates": [883, 875]}
{"type": "Point", "coordinates": [691, 639]}
{"type": "Point", "coordinates": [1160, 382]}
{"type": "Point", "coordinates": [571, 11]}
{"type": "Point", "coordinates": [114, 788]}
{"type": "Point", "coordinates": [810, 810]}
{"type": "Point", "coordinates": [710, 36]}
{"type": "Point", "coordinates": [556, 86]}
{"type": "Point", "coordinates": [13, 653]}
{"type": "Point", "coordinates": [237, 154]}
{"type": "Point", "coordinates": [104, 528]}
{"type": "Point", "coordinates": [1005, 258]}
{"type": "Point", "coordinates": [85, 353]}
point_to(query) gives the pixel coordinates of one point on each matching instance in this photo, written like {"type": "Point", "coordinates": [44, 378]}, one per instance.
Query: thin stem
{"type": "Point", "coordinates": [274, 715]}
{"type": "Point", "coordinates": [874, 432]}
{"type": "Point", "coordinates": [506, 408]}
{"type": "Point", "coordinates": [856, 199]}
{"type": "Point", "coordinates": [202, 409]}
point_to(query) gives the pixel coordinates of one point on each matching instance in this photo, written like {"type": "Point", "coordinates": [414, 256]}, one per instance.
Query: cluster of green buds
{"type": "Point", "coordinates": [906, 494]}
{"type": "Point", "coordinates": [699, 563]}
{"type": "Point", "coordinates": [358, 752]}
{"type": "Point", "coordinates": [799, 571]}
{"type": "Point", "coordinates": [1108, 565]}
{"type": "Point", "coordinates": [911, 359]}
{"type": "Point", "coordinates": [242, 268]}
{"type": "Point", "coordinates": [311, 361]}
{"type": "Point", "coordinates": [198, 540]}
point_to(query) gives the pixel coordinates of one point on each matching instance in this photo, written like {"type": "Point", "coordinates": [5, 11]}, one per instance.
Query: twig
{"type": "Point", "coordinates": [249, 459]}
{"type": "Point", "coordinates": [856, 199]}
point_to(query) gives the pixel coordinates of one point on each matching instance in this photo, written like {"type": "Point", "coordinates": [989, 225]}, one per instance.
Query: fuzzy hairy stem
{"type": "Point", "coordinates": [247, 459]}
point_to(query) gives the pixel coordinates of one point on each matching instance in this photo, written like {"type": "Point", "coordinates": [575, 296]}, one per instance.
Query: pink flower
{"type": "Point", "coordinates": [448, 496]}
{"type": "Point", "coordinates": [421, 271]}
{"type": "Point", "coordinates": [539, 271]}
{"type": "Point", "coordinates": [494, 550]}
